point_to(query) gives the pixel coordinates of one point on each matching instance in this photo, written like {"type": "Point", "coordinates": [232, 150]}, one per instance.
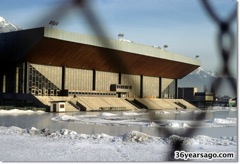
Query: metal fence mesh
{"type": "Point", "coordinates": [225, 53]}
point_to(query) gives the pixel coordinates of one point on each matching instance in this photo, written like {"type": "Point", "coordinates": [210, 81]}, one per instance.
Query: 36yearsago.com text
{"type": "Point", "coordinates": [203, 155]}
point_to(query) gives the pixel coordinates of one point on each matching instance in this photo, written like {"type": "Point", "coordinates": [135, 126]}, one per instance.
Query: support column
{"type": "Point", "coordinates": [21, 78]}
{"type": "Point", "coordinates": [119, 78]}
{"type": "Point", "coordinates": [26, 77]}
{"type": "Point", "coordinates": [141, 86]}
{"type": "Point", "coordinates": [4, 84]}
{"type": "Point", "coordinates": [176, 89]}
{"type": "Point", "coordinates": [16, 79]}
{"type": "Point", "coordinates": [2, 78]}
{"type": "Point", "coordinates": [160, 87]}
{"type": "Point", "coordinates": [119, 82]}
{"type": "Point", "coordinates": [1, 81]}
{"type": "Point", "coordinates": [94, 80]}
{"type": "Point", "coordinates": [63, 78]}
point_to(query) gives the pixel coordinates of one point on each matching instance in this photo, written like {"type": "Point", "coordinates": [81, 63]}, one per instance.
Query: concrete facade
{"type": "Point", "coordinates": [151, 87]}
{"type": "Point", "coordinates": [78, 79]}
{"type": "Point", "coordinates": [105, 79]}
{"type": "Point", "coordinates": [43, 80]}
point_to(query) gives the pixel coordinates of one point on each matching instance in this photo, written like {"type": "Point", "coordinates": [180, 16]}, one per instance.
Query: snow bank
{"type": "Point", "coordinates": [131, 136]}
{"type": "Point", "coordinates": [105, 114]}
{"type": "Point", "coordinates": [161, 112]}
{"type": "Point", "coordinates": [178, 125]}
{"type": "Point", "coordinates": [221, 108]}
{"type": "Point", "coordinates": [135, 136]}
{"type": "Point", "coordinates": [17, 111]}
{"type": "Point", "coordinates": [222, 121]}
{"type": "Point", "coordinates": [131, 113]}
{"type": "Point", "coordinates": [118, 120]}
{"type": "Point", "coordinates": [65, 118]}
{"type": "Point", "coordinates": [105, 119]}
{"type": "Point", "coordinates": [66, 145]}
{"type": "Point", "coordinates": [233, 109]}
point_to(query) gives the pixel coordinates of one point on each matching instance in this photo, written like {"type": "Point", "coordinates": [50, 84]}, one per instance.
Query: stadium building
{"type": "Point", "coordinates": [44, 65]}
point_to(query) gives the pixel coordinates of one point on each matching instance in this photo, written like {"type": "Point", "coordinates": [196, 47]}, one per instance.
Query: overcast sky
{"type": "Point", "coordinates": [183, 25]}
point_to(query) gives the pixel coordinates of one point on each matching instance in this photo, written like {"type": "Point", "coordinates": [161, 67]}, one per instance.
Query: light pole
{"type": "Point", "coordinates": [165, 46]}
{"type": "Point", "coordinates": [120, 35]}
{"type": "Point", "coordinates": [53, 23]}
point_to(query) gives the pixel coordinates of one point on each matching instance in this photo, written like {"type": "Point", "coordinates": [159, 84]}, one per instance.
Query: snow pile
{"type": "Point", "coordinates": [152, 124]}
{"type": "Point", "coordinates": [223, 141]}
{"type": "Point", "coordinates": [135, 136]}
{"type": "Point", "coordinates": [131, 119]}
{"type": "Point", "coordinates": [222, 108]}
{"type": "Point", "coordinates": [105, 119]}
{"type": "Point", "coordinates": [17, 111]}
{"type": "Point", "coordinates": [226, 121]}
{"type": "Point", "coordinates": [131, 114]}
{"type": "Point", "coordinates": [65, 118]}
{"type": "Point", "coordinates": [161, 112]}
{"type": "Point", "coordinates": [131, 136]}
{"type": "Point", "coordinates": [178, 125]}
{"type": "Point", "coordinates": [233, 109]}
{"type": "Point", "coordinates": [105, 114]}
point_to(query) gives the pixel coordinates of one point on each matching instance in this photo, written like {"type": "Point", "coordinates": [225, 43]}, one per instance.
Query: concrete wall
{"type": "Point", "coordinates": [134, 81]}
{"type": "Point", "coordinates": [168, 88]}
{"type": "Point", "coordinates": [78, 79]}
{"type": "Point", "coordinates": [105, 79]}
{"type": "Point", "coordinates": [52, 73]}
{"type": "Point", "coordinates": [42, 77]}
{"type": "Point", "coordinates": [150, 86]}
{"type": "Point", "coordinates": [44, 80]}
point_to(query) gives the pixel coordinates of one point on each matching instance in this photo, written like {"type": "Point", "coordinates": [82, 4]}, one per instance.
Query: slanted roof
{"type": "Point", "coordinates": [60, 48]}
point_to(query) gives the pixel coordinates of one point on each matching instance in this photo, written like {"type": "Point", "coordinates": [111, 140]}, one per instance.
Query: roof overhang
{"type": "Point", "coordinates": [60, 48]}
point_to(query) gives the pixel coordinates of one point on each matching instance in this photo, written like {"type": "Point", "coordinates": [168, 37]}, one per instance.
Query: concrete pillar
{"type": "Point", "coordinates": [94, 80]}
{"type": "Point", "coordinates": [176, 89]}
{"type": "Point", "coordinates": [141, 86]}
{"type": "Point", "coordinates": [4, 84]}
{"type": "Point", "coordinates": [17, 79]}
{"type": "Point", "coordinates": [1, 81]}
{"type": "Point", "coordinates": [26, 77]}
{"type": "Point", "coordinates": [63, 77]}
{"type": "Point", "coordinates": [119, 78]}
{"type": "Point", "coordinates": [21, 77]}
{"type": "Point", "coordinates": [119, 82]}
{"type": "Point", "coordinates": [160, 87]}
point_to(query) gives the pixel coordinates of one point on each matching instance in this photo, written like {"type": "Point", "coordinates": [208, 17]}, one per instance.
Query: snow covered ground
{"type": "Point", "coordinates": [34, 144]}
{"type": "Point", "coordinates": [65, 145]}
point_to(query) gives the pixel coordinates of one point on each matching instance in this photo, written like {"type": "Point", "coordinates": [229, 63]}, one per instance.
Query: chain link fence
{"type": "Point", "coordinates": [225, 54]}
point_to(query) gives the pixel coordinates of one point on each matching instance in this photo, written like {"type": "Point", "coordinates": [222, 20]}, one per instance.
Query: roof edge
{"type": "Point", "coordinates": [118, 45]}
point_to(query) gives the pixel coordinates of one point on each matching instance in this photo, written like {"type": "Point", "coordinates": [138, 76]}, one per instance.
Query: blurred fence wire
{"type": "Point", "coordinates": [225, 53]}
{"type": "Point", "coordinates": [225, 50]}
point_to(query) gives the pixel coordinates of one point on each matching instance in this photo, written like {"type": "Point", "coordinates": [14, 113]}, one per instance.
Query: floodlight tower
{"type": "Point", "coordinates": [120, 35]}
{"type": "Point", "coordinates": [165, 46]}
{"type": "Point", "coordinates": [53, 23]}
